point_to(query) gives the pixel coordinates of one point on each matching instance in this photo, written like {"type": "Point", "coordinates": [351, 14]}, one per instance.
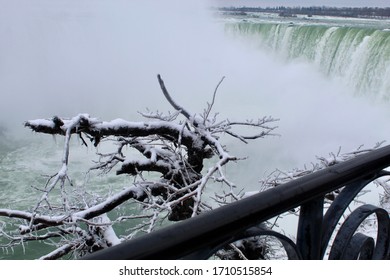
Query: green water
{"type": "Point", "coordinates": [25, 167]}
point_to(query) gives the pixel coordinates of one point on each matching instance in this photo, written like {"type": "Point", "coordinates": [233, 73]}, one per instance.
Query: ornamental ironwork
{"type": "Point", "coordinates": [319, 230]}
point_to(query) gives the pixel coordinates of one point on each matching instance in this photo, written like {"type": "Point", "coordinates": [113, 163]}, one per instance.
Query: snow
{"type": "Point", "coordinates": [248, 194]}
{"type": "Point", "coordinates": [63, 171]}
{"type": "Point", "coordinates": [23, 228]}
{"type": "Point", "coordinates": [108, 231]}
{"type": "Point", "coordinates": [42, 123]}
{"type": "Point", "coordinates": [135, 191]}
{"type": "Point", "coordinates": [28, 216]}
{"type": "Point", "coordinates": [117, 124]}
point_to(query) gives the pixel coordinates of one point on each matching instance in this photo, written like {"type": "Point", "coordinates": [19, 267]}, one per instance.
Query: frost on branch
{"type": "Point", "coordinates": [183, 149]}
{"type": "Point", "coordinates": [268, 247]}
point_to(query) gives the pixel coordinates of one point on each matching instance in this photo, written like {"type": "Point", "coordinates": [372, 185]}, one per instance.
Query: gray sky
{"type": "Point", "coordinates": [333, 3]}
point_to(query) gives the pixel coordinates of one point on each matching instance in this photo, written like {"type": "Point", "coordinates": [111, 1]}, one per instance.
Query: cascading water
{"type": "Point", "coordinates": [359, 56]}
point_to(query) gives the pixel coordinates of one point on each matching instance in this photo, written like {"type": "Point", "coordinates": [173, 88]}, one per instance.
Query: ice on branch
{"type": "Point", "coordinates": [171, 159]}
{"type": "Point", "coordinates": [279, 177]}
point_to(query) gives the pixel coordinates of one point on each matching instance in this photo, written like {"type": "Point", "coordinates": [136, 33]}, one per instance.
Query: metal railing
{"type": "Point", "coordinates": [202, 236]}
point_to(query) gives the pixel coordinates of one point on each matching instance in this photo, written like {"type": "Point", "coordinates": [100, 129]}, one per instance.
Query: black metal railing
{"type": "Point", "coordinates": [202, 236]}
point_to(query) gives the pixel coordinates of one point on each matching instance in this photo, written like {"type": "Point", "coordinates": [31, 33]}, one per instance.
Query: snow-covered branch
{"type": "Point", "coordinates": [174, 146]}
{"type": "Point", "coordinates": [279, 177]}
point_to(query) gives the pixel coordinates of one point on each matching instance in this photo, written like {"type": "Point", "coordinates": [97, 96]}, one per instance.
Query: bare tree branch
{"type": "Point", "coordinates": [175, 150]}
{"type": "Point", "coordinates": [170, 100]}
{"type": "Point", "coordinates": [210, 105]}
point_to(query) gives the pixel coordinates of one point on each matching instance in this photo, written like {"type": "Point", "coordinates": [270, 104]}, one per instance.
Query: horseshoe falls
{"type": "Point", "coordinates": [356, 53]}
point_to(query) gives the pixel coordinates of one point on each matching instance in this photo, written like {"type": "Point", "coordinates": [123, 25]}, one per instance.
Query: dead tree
{"type": "Point", "coordinates": [184, 148]}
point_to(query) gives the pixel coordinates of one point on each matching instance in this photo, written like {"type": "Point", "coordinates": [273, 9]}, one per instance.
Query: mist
{"type": "Point", "coordinates": [66, 57]}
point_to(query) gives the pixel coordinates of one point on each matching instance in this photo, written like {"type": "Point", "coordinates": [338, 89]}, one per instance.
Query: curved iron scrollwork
{"type": "Point", "coordinates": [288, 245]}
{"type": "Point", "coordinates": [335, 212]}
{"type": "Point", "coordinates": [348, 244]}
{"type": "Point", "coordinates": [351, 245]}
{"type": "Point", "coordinates": [318, 233]}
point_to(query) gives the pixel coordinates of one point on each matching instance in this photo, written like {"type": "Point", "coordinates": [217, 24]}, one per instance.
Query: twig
{"type": "Point", "coordinates": [170, 100]}
{"type": "Point", "coordinates": [210, 106]}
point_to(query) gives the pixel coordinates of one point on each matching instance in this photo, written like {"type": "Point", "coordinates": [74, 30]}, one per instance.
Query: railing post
{"type": "Point", "coordinates": [310, 229]}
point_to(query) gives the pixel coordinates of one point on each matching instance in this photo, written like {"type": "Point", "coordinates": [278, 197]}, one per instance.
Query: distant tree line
{"type": "Point", "coordinates": [362, 12]}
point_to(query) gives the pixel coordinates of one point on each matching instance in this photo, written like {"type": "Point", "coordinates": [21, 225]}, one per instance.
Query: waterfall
{"type": "Point", "coordinates": [359, 56]}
